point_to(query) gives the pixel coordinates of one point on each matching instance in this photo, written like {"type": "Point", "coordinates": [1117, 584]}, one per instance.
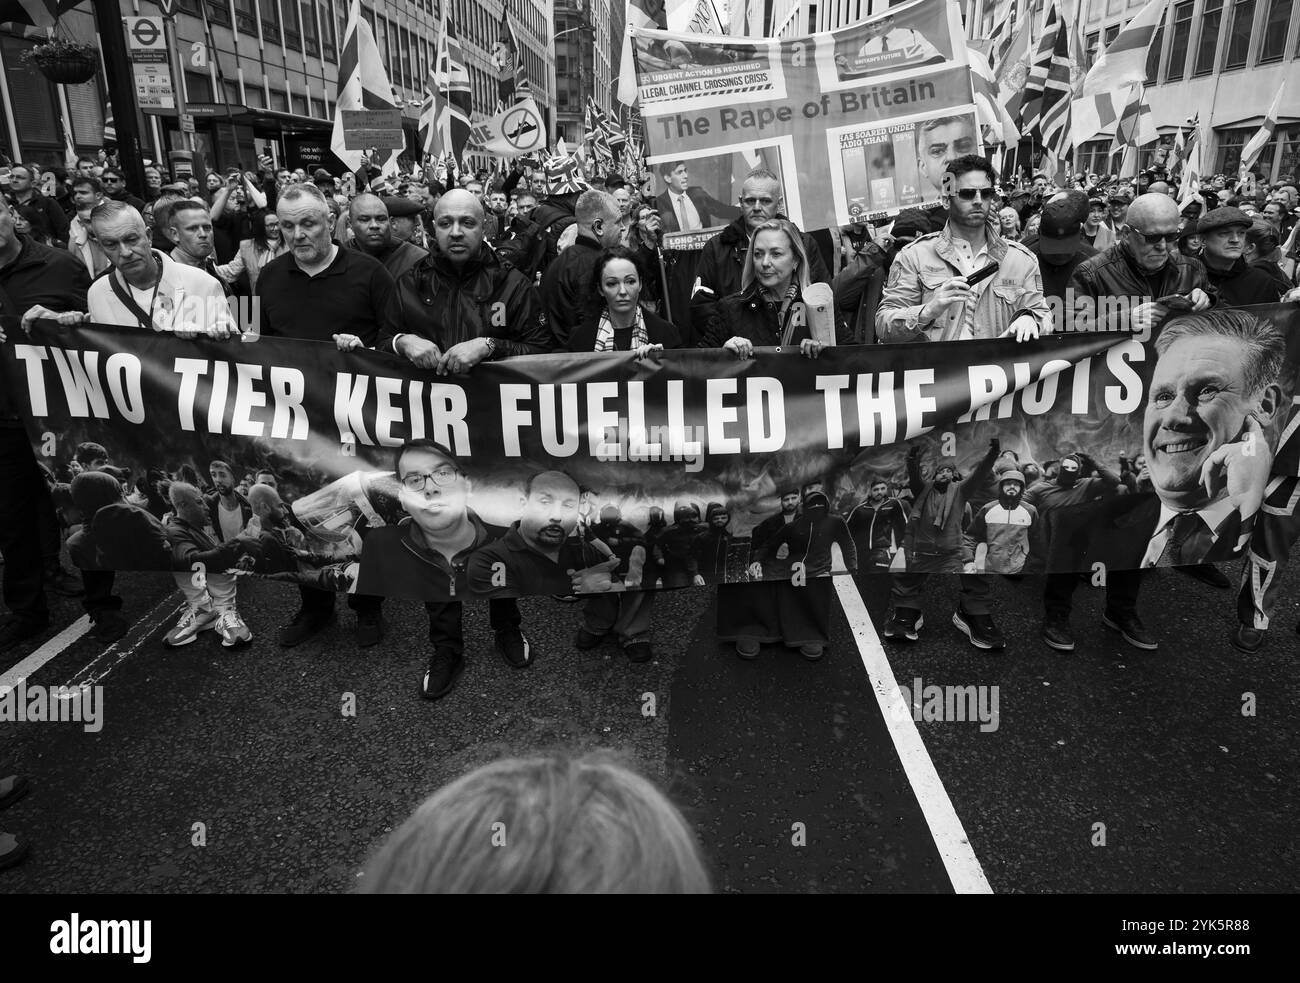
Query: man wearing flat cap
{"type": "Point", "coordinates": [1223, 236]}
{"type": "Point", "coordinates": [370, 220]}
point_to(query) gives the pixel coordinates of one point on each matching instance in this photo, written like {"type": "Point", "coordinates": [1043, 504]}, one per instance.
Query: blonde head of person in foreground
{"type": "Point", "coordinates": [554, 824]}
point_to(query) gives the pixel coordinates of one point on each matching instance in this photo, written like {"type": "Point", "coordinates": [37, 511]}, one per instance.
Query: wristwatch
{"type": "Point", "coordinates": [491, 348]}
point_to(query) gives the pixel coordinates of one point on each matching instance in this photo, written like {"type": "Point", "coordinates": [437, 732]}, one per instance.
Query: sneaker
{"type": "Point", "coordinates": [18, 631]}
{"type": "Point", "coordinates": [512, 646]}
{"type": "Point", "coordinates": [980, 629]}
{"type": "Point", "coordinates": [1207, 573]}
{"type": "Point", "coordinates": [13, 788]}
{"type": "Point", "coordinates": [110, 627]}
{"type": "Point", "coordinates": [586, 639]}
{"type": "Point", "coordinates": [187, 629]}
{"type": "Point", "coordinates": [1056, 633]}
{"type": "Point", "coordinates": [1247, 639]}
{"type": "Point", "coordinates": [905, 625]}
{"type": "Point", "coordinates": [639, 651]}
{"type": "Point", "coordinates": [13, 850]}
{"type": "Point", "coordinates": [233, 631]}
{"type": "Point", "coordinates": [813, 651]}
{"type": "Point", "coordinates": [748, 650]}
{"type": "Point", "coordinates": [1132, 630]}
{"type": "Point", "coordinates": [440, 675]}
{"type": "Point", "coordinates": [303, 626]}
{"type": "Point", "coordinates": [370, 629]}
{"type": "Point", "coordinates": [63, 582]}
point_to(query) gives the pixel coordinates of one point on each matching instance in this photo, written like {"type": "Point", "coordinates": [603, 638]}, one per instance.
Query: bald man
{"type": "Point", "coordinates": [567, 283]}
{"type": "Point", "coordinates": [372, 233]}
{"type": "Point", "coordinates": [1143, 267]}
{"type": "Point", "coordinates": [461, 304]}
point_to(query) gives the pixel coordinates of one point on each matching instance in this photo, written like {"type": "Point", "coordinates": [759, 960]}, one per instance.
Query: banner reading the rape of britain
{"type": "Point", "coordinates": [560, 474]}
{"type": "Point", "coordinates": [869, 113]}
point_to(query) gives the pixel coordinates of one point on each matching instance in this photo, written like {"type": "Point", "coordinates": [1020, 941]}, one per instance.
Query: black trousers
{"type": "Point", "coordinates": [446, 629]}
{"type": "Point", "coordinates": [1122, 588]}
{"type": "Point", "coordinates": [321, 602]}
{"type": "Point", "coordinates": [25, 512]}
{"type": "Point", "coordinates": [99, 592]}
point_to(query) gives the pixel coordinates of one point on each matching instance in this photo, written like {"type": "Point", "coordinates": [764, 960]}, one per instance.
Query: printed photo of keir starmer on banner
{"type": "Point", "coordinates": [903, 39]}
{"type": "Point", "coordinates": [878, 169]}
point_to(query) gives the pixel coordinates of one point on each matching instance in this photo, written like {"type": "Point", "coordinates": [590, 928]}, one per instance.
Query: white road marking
{"type": "Point", "coordinates": [46, 652]}
{"type": "Point", "coordinates": [950, 838]}
{"type": "Point", "coordinates": [113, 656]}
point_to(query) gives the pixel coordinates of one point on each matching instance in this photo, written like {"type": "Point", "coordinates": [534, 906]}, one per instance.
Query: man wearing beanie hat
{"type": "Point", "coordinates": [627, 614]}
{"type": "Point", "coordinates": [675, 551]}
{"type": "Point", "coordinates": [1003, 527]}
{"type": "Point", "coordinates": [713, 544]}
{"type": "Point", "coordinates": [1223, 233]}
{"type": "Point", "coordinates": [1059, 247]}
{"type": "Point", "coordinates": [934, 544]}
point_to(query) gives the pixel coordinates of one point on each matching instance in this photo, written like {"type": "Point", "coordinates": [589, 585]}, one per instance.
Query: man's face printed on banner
{"type": "Point", "coordinates": [550, 511]}
{"type": "Point", "coordinates": [938, 142]}
{"type": "Point", "coordinates": [443, 501]}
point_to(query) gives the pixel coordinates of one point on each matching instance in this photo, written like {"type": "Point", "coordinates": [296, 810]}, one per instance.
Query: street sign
{"type": "Point", "coordinates": [147, 47]}
{"type": "Point", "coordinates": [187, 123]}
{"type": "Point", "coordinates": [366, 128]}
{"type": "Point", "coordinates": [168, 7]}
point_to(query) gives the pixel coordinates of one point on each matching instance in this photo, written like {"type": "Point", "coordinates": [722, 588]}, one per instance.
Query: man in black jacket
{"type": "Point", "coordinates": [1223, 232]}
{"type": "Point", "coordinates": [567, 284]}
{"type": "Point", "coordinates": [33, 278]}
{"type": "Point", "coordinates": [23, 188]}
{"type": "Point", "coordinates": [1261, 247]}
{"type": "Point", "coordinates": [723, 256]}
{"type": "Point", "coordinates": [685, 207]}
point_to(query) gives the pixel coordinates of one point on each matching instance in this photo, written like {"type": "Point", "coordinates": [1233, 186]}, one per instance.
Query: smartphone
{"type": "Point", "coordinates": [982, 274]}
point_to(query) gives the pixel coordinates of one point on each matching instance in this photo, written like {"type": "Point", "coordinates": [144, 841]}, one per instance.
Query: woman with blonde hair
{"type": "Point", "coordinates": [552, 824]}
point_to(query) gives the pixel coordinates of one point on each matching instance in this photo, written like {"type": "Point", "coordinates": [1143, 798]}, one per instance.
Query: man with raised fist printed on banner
{"type": "Point", "coordinates": [934, 544]}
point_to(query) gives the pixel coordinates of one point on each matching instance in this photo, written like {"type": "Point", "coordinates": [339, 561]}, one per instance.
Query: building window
{"type": "Point", "coordinates": [1228, 158]}
{"type": "Point", "coordinates": [198, 87]}
{"type": "Point", "coordinates": [1207, 44]}
{"type": "Point", "coordinates": [1114, 7]}
{"type": "Point", "coordinates": [246, 17]}
{"type": "Point", "coordinates": [1243, 16]}
{"type": "Point", "coordinates": [256, 100]}
{"type": "Point", "coordinates": [270, 20]}
{"type": "Point", "coordinates": [1112, 32]}
{"type": "Point", "coordinates": [1182, 35]}
{"type": "Point", "coordinates": [1090, 52]}
{"type": "Point", "coordinates": [218, 12]}
{"type": "Point", "coordinates": [279, 101]}
{"type": "Point", "coordinates": [35, 117]}
{"type": "Point", "coordinates": [1288, 139]}
{"type": "Point", "coordinates": [1153, 55]}
{"type": "Point", "coordinates": [292, 30]}
{"type": "Point", "coordinates": [1275, 30]}
{"type": "Point", "coordinates": [329, 37]}
{"type": "Point", "coordinates": [310, 41]}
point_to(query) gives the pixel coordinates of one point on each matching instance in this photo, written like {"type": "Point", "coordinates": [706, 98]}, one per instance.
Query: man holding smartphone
{"type": "Point", "coordinates": [933, 292]}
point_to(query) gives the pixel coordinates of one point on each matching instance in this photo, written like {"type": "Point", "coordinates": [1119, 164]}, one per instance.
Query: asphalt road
{"type": "Point", "coordinates": [790, 770]}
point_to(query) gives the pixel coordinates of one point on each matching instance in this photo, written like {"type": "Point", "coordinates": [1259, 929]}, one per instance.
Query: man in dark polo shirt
{"type": "Point", "coordinates": [318, 290]}
{"type": "Point", "coordinates": [372, 233]}
{"type": "Point", "coordinates": [37, 281]}
{"type": "Point", "coordinates": [426, 556]}
{"type": "Point", "coordinates": [540, 555]}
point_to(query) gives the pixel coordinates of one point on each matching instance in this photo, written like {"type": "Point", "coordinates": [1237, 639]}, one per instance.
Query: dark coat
{"type": "Point", "coordinates": [1242, 285]}
{"type": "Point", "coordinates": [661, 332]}
{"type": "Point", "coordinates": [722, 261]}
{"type": "Point", "coordinates": [747, 315]}
{"type": "Point", "coordinates": [1112, 273]}
{"type": "Point", "coordinates": [447, 306]}
{"type": "Point", "coordinates": [567, 295]}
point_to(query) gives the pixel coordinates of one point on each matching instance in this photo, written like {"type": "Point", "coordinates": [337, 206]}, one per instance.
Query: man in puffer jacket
{"type": "Point", "coordinates": [1004, 527]}
{"type": "Point", "coordinates": [199, 564]}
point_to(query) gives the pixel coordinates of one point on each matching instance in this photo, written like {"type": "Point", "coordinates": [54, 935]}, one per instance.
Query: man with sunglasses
{"type": "Point", "coordinates": [426, 556]}
{"type": "Point", "coordinates": [723, 256]}
{"type": "Point", "coordinates": [1140, 269]}
{"type": "Point", "coordinates": [114, 182]}
{"type": "Point", "coordinates": [928, 296]}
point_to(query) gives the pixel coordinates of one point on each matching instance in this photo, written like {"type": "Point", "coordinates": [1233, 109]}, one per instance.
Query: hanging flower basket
{"type": "Point", "coordinates": [64, 62]}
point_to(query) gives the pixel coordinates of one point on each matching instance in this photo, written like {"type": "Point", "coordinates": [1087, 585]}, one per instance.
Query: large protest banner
{"type": "Point", "coordinates": [857, 122]}
{"type": "Point", "coordinates": [592, 458]}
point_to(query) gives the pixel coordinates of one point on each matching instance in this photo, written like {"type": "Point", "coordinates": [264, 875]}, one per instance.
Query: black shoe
{"type": "Point", "coordinates": [13, 850]}
{"type": "Point", "coordinates": [585, 640]}
{"type": "Point", "coordinates": [110, 627]}
{"type": "Point", "coordinates": [440, 675]}
{"type": "Point", "coordinates": [1056, 633]}
{"type": "Point", "coordinates": [303, 626]}
{"type": "Point", "coordinates": [18, 631]}
{"type": "Point", "coordinates": [370, 629]}
{"type": "Point", "coordinates": [1132, 630]}
{"type": "Point", "coordinates": [639, 651]}
{"type": "Point", "coordinates": [1247, 639]}
{"type": "Point", "coordinates": [1207, 573]}
{"type": "Point", "coordinates": [12, 788]}
{"type": "Point", "coordinates": [512, 646]}
{"type": "Point", "coordinates": [980, 629]}
{"type": "Point", "coordinates": [63, 582]}
{"type": "Point", "coordinates": [905, 625]}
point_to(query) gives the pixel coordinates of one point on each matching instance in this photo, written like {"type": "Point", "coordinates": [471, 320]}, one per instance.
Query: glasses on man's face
{"type": "Point", "coordinates": [112, 180]}
{"type": "Point", "coordinates": [418, 481]}
{"type": "Point", "coordinates": [1155, 238]}
{"type": "Point", "coordinates": [749, 201]}
{"type": "Point", "coordinates": [970, 194]}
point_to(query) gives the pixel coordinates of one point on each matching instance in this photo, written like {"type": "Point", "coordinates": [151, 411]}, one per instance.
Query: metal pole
{"type": "Point", "coordinates": [176, 65]}
{"type": "Point", "coordinates": [121, 91]}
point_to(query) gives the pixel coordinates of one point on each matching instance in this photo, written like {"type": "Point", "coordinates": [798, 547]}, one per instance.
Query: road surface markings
{"type": "Point", "coordinates": [950, 838]}
{"type": "Point", "coordinates": [46, 652]}
{"type": "Point", "coordinates": [113, 656]}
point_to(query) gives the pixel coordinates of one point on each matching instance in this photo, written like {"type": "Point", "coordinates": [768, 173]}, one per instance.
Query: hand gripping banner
{"type": "Point", "coordinates": [563, 474]}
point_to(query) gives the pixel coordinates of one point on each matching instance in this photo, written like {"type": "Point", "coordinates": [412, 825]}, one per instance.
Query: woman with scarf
{"type": "Point", "coordinates": [619, 323]}
{"type": "Point", "coordinates": [769, 311]}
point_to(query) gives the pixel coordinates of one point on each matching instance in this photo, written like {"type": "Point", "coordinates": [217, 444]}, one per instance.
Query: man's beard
{"type": "Point", "coordinates": [942, 483]}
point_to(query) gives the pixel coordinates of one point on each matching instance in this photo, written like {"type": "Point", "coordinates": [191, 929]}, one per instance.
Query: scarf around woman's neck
{"type": "Point", "coordinates": [605, 332]}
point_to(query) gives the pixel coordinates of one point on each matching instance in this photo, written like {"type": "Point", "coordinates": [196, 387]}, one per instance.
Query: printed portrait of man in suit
{"type": "Point", "coordinates": [685, 207]}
